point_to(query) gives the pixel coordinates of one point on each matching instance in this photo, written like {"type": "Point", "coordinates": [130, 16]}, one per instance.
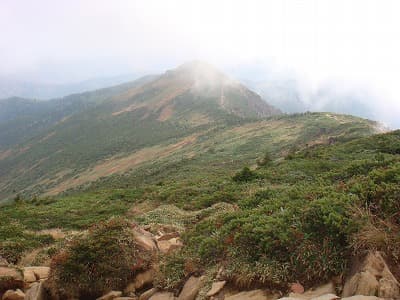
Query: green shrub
{"type": "Point", "coordinates": [171, 271]}
{"type": "Point", "coordinates": [244, 175]}
{"type": "Point", "coordinates": [104, 259]}
{"type": "Point", "coordinates": [16, 240]}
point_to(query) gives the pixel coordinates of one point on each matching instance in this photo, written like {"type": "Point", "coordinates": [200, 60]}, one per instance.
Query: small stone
{"type": "Point", "coordinates": [297, 288]}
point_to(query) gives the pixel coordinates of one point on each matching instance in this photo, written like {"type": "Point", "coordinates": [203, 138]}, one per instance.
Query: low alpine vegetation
{"type": "Point", "coordinates": [104, 258]}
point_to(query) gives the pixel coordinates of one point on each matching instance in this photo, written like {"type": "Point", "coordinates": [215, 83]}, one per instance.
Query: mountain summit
{"type": "Point", "coordinates": [192, 87]}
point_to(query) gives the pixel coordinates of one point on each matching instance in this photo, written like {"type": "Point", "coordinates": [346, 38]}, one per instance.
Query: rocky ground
{"type": "Point", "coordinates": [369, 279]}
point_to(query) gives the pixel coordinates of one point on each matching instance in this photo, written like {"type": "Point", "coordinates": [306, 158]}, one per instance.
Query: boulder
{"type": "Point", "coordinates": [249, 295]}
{"type": "Point", "coordinates": [371, 277]}
{"type": "Point", "coordinates": [36, 292]}
{"type": "Point", "coordinates": [191, 288]}
{"type": "Point", "coordinates": [216, 288]}
{"type": "Point", "coordinates": [13, 295]}
{"type": "Point", "coordinates": [167, 246]}
{"type": "Point", "coordinates": [32, 274]}
{"type": "Point", "coordinates": [111, 295]}
{"type": "Point", "coordinates": [125, 298]}
{"type": "Point", "coordinates": [147, 294]}
{"type": "Point", "coordinates": [29, 276]}
{"type": "Point", "coordinates": [145, 241]}
{"type": "Point", "coordinates": [10, 279]}
{"type": "Point", "coordinates": [163, 296]}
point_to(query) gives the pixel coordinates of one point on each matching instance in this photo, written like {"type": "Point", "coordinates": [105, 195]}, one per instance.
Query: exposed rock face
{"type": "Point", "coordinates": [372, 277]}
{"type": "Point", "coordinates": [191, 288]}
{"type": "Point", "coordinates": [14, 295]}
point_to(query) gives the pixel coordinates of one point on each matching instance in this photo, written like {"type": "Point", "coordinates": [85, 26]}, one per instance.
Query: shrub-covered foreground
{"type": "Point", "coordinates": [301, 219]}
{"type": "Point", "coordinates": [105, 258]}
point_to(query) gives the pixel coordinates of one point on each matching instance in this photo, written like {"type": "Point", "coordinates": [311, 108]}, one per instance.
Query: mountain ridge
{"type": "Point", "coordinates": [108, 123]}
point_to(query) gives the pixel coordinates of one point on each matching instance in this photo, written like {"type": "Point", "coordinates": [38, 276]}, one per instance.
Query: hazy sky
{"type": "Point", "coordinates": [354, 42]}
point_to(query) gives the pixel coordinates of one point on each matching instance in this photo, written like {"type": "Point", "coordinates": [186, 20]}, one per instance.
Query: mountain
{"type": "Point", "coordinates": [10, 87]}
{"type": "Point", "coordinates": [192, 172]}
{"type": "Point", "coordinates": [22, 119]}
{"type": "Point", "coordinates": [62, 138]}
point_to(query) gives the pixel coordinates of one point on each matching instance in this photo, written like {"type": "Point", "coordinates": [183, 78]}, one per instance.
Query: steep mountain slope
{"type": "Point", "coordinates": [173, 107]}
{"type": "Point", "coordinates": [22, 119]}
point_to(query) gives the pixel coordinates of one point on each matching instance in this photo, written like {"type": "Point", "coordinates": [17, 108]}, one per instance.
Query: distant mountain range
{"type": "Point", "coordinates": [37, 90]}
{"type": "Point", "coordinates": [283, 91]}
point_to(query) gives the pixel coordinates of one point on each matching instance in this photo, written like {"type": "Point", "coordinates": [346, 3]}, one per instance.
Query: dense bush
{"type": "Point", "coordinates": [308, 238]}
{"type": "Point", "coordinates": [106, 258]}
{"type": "Point", "coordinates": [244, 175]}
{"type": "Point", "coordinates": [301, 220]}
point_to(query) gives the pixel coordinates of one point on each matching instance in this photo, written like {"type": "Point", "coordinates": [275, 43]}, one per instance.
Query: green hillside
{"type": "Point", "coordinates": [268, 198]}
{"type": "Point", "coordinates": [305, 212]}
{"type": "Point", "coordinates": [109, 124]}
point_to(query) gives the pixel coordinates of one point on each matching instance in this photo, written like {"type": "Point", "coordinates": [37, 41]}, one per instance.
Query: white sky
{"type": "Point", "coordinates": [352, 41]}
